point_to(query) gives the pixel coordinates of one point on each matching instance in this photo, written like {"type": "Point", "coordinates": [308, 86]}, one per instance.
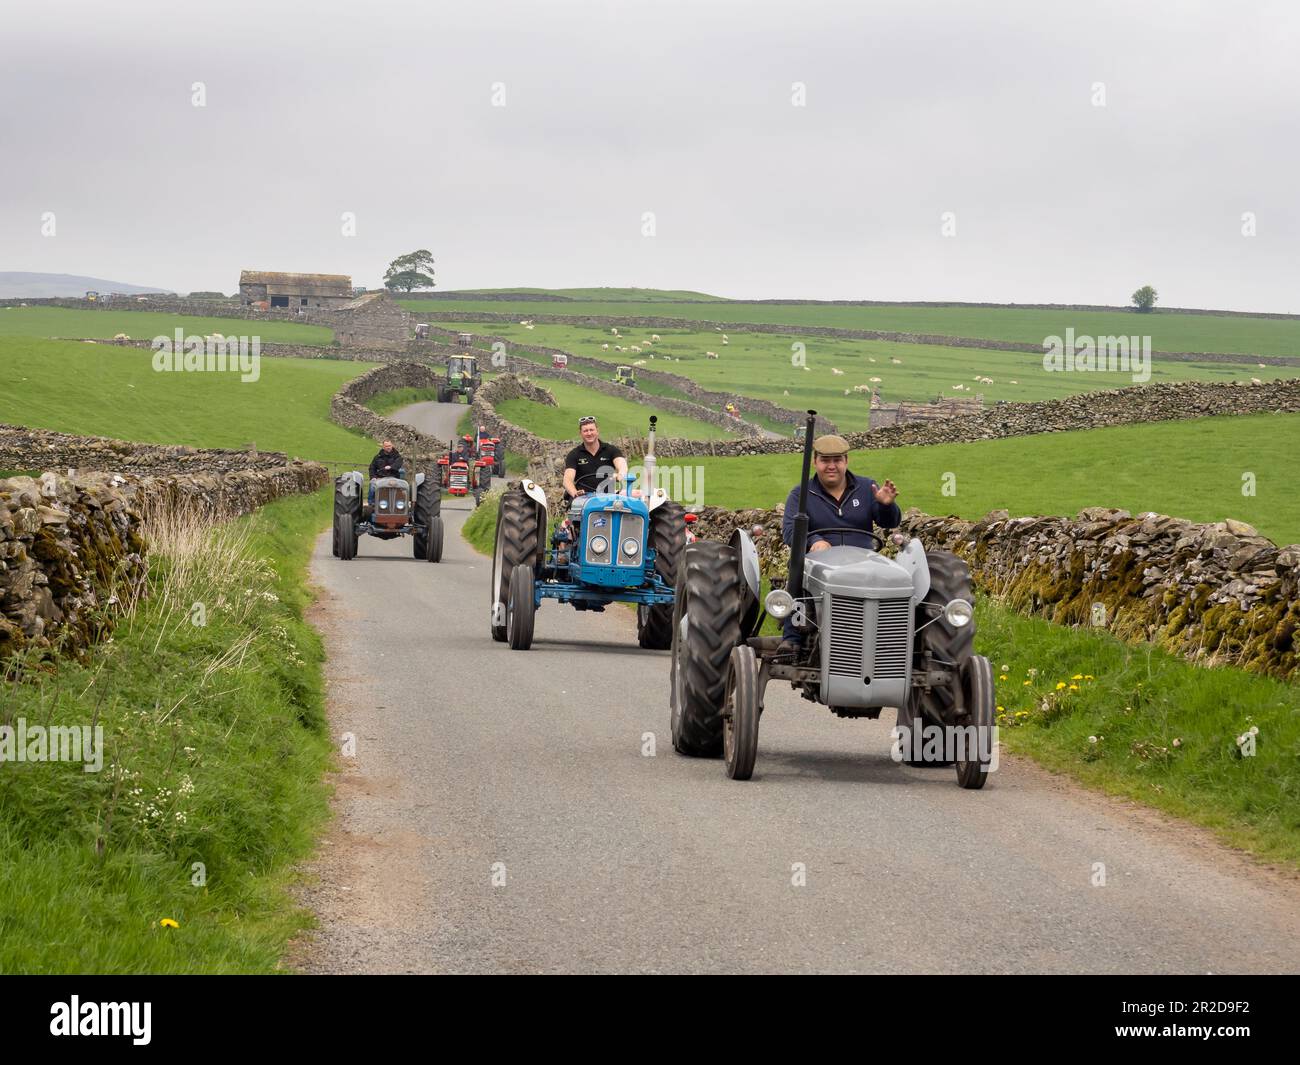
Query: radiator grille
{"type": "Point", "coordinates": [850, 619]}
{"type": "Point", "coordinates": [847, 619]}
{"type": "Point", "coordinates": [892, 646]}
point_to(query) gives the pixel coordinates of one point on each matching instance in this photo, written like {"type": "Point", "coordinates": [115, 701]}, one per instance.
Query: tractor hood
{"type": "Point", "coordinates": [856, 572]}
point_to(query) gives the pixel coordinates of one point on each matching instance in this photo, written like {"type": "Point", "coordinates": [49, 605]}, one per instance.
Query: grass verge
{"type": "Point", "coordinates": [215, 742]}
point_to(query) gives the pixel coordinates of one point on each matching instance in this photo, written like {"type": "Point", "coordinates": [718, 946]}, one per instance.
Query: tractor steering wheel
{"type": "Point", "coordinates": [842, 529]}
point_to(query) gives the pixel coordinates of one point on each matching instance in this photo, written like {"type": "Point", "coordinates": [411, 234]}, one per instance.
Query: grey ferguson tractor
{"type": "Point", "coordinates": [877, 632]}
{"type": "Point", "coordinates": [391, 515]}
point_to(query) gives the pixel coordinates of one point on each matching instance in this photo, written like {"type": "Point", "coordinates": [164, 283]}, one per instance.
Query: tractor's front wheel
{"type": "Point", "coordinates": [516, 544]}
{"type": "Point", "coordinates": [347, 532]}
{"type": "Point", "coordinates": [706, 627]}
{"type": "Point", "coordinates": [521, 610]}
{"type": "Point", "coordinates": [977, 724]}
{"type": "Point", "coordinates": [428, 510]}
{"type": "Point", "coordinates": [428, 545]}
{"type": "Point", "coordinates": [740, 712]}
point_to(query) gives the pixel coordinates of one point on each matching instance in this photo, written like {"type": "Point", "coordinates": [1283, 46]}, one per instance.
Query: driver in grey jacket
{"type": "Point", "coordinates": [837, 500]}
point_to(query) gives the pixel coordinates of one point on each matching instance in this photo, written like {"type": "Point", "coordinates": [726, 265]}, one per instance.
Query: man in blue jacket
{"type": "Point", "coordinates": [837, 500]}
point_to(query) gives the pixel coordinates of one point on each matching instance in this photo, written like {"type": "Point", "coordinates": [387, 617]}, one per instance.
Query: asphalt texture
{"type": "Point", "coordinates": [524, 811]}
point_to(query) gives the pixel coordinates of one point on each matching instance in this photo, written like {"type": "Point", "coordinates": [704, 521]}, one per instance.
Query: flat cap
{"type": "Point", "coordinates": [830, 445]}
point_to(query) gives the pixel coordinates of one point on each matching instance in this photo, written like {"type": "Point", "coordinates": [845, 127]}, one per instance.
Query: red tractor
{"type": "Point", "coordinates": [463, 472]}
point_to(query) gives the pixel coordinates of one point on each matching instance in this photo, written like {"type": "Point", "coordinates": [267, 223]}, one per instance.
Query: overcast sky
{"type": "Point", "coordinates": [683, 109]}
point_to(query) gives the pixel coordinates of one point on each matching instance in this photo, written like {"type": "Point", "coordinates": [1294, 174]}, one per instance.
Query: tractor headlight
{"type": "Point", "coordinates": [959, 613]}
{"type": "Point", "coordinates": [383, 504]}
{"type": "Point", "coordinates": [401, 504]}
{"type": "Point", "coordinates": [599, 545]}
{"type": "Point", "coordinates": [779, 603]}
{"type": "Point", "coordinates": [631, 547]}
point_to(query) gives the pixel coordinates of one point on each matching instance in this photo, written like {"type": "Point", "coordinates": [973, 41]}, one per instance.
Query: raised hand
{"type": "Point", "coordinates": [885, 493]}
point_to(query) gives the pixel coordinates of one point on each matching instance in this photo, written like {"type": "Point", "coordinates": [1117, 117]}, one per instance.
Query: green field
{"type": "Point", "coordinates": [760, 365]}
{"type": "Point", "coordinates": [108, 391]}
{"type": "Point", "coordinates": [616, 417]}
{"type": "Point", "coordinates": [1190, 469]}
{"type": "Point", "coordinates": [1169, 332]}
{"type": "Point", "coordinates": [145, 325]}
{"type": "Point", "coordinates": [638, 295]}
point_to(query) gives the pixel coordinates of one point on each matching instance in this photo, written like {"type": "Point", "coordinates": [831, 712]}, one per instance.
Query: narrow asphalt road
{"type": "Point", "coordinates": [513, 811]}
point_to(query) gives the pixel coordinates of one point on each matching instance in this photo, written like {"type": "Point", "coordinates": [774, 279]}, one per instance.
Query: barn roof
{"type": "Point", "coordinates": [278, 283]}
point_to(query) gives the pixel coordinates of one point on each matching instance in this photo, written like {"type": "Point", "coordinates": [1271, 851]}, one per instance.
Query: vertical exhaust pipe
{"type": "Point", "coordinates": [649, 486]}
{"type": "Point", "coordinates": [799, 547]}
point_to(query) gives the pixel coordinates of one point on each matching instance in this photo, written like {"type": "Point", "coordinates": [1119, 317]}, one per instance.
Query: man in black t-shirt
{"type": "Point", "coordinates": [587, 468]}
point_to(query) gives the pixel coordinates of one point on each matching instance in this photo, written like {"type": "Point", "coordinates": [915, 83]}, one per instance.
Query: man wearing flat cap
{"type": "Point", "coordinates": [838, 500]}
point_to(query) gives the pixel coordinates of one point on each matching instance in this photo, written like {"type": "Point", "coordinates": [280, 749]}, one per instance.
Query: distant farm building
{"type": "Point", "coordinates": [372, 321]}
{"type": "Point", "coordinates": [294, 291]}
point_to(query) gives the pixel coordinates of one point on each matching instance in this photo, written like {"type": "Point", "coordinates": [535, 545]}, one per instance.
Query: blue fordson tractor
{"type": "Point", "coordinates": [624, 548]}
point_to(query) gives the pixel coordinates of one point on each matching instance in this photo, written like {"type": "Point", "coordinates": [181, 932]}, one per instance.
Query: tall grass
{"type": "Point", "coordinates": [210, 699]}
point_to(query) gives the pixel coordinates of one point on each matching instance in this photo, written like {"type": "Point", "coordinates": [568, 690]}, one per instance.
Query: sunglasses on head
{"type": "Point", "coordinates": [589, 420]}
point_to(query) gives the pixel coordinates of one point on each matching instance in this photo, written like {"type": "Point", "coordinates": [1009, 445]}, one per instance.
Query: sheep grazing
{"type": "Point", "coordinates": [847, 391]}
{"type": "Point", "coordinates": [1015, 382]}
{"type": "Point", "coordinates": [837, 373]}
{"type": "Point", "coordinates": [639, 362]}
{"type": "Point", "coordinates": [710, 354]}
{"type": "Point", "coordinates": [121, 338]}
{"type": "Point", "coordinates": [1256, 381]}
{"type": "Point", "coordinates": [897, 362]}
{"type": "Point", "coordinates": [614, 329]}
{"type": "Point", "coordinates": [605, 347]}
{"type": "Point", "coordinates": [636, 347]}
{"type": "Point", "coordinates": [654, 337]}
{"type": "Point", "coordinates": [870, 359]}
{"type": "Point", "coordinates": [875, 380]}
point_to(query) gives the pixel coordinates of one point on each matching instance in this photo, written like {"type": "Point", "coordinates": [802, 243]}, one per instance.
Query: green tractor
{"type": "Point", "coordinates": [463, 379]}
{"type": "Point", "coordinates": [625, 375]}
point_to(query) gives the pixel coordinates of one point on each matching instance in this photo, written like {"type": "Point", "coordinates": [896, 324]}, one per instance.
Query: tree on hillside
{"type": "Point", "coordinates": [1144, 299]}
{"type": "Point", "coordinates": [408, 272]}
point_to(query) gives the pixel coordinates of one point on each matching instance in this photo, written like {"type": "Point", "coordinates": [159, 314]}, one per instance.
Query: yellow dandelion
{"type": "Point", "coordinates": [1074, 687]}
{"type": "Point", "coordinates": [167, 922]}
{"type": "Point", "coordinates": [1077, 676]}
{"type": "Point", "coordinates": [1060, 684]}
{"type": "Point", "coordinates": [1025, 683]}
{"type": "Point", "coordinates": [1003, 677]}
{"type": "Point", "coordinates": [1089, 676]}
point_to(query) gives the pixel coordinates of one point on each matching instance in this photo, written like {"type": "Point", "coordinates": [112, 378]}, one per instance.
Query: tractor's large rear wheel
{"type": "Point", "coordinates": [654, 624]}
{"type": "Point", "coordinates": [706, 626]}
{"type": "Point", "coordinates": [941, 645]}
{"type": "Point", "coordinates": [516, 544]}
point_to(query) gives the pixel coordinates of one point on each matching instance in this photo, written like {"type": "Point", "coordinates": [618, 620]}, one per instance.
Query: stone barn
{"type": "Point", "coordinates": [294, 291]}
{"type": "Point", "coordinates": [372, 321]}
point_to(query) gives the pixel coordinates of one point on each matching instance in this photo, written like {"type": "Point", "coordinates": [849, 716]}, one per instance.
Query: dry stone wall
{"type": "Point", "coordinates": [348, 408]}
{"type": "Point", "coordinates": [72, 548]}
